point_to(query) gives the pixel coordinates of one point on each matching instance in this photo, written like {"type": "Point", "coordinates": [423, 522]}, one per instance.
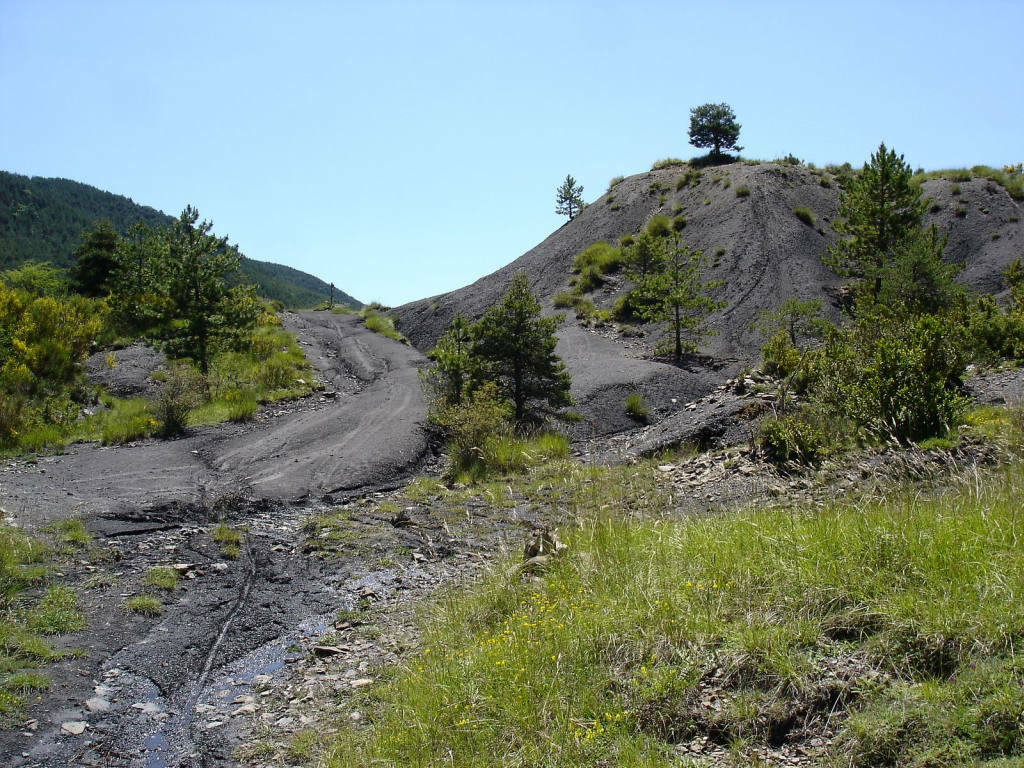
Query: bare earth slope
{"type": "Point", "coordinates": [366, 435]}
{"type": "Point", "coordinates": [754, 243]}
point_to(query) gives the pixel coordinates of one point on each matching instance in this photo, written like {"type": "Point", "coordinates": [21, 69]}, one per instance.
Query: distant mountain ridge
{"type": "Point", "coordinates": [42, 219]}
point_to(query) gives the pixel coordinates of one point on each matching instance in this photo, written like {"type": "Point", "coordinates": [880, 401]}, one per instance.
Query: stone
{"type": "Point", "coordinates": [97, 704]}
{"type": "Point", "coordinates": [361, 682]}
{"type": "Point", "coordinates": [75, 727]}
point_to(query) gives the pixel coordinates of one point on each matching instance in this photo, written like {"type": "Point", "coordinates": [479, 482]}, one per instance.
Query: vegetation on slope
{"type": "Point", "coordinates": [31, 608]}
{"type": "Point", "coordinates": [885, 627]}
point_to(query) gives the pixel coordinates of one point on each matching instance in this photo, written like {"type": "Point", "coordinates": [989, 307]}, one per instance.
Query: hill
{"type": "Point", "coordinates": [743, 217]}
{"type": "Point", "coordinates": [42, 220]}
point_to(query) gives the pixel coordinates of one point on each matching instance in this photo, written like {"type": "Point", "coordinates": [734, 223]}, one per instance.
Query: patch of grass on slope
{"type": "Point", "coordinates": [27, 613]}
{"type": "Point", "coordinates": [896, 622]}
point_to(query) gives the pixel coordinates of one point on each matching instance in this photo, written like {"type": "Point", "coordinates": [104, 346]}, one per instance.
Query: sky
{"type": "Point", "coordinates": [404, 149]}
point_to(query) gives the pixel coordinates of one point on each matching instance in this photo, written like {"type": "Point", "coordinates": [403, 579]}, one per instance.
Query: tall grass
{"type": "Point", "coordinates": [1013, 183]}
{"type": "Point", "coordinates": [593, 263]}
{"type": "Point", "coordinates": [895, 620]}
{"type": "Point", "coordinates": [382, 324]}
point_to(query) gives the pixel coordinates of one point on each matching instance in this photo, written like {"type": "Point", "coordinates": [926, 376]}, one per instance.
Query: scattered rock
{"type": "Point", "coordinates": [97, 704]}
{"type": "Point", "coordinates": [75, 727]}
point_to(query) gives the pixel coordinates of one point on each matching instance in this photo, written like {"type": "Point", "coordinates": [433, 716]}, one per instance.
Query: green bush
{"type": "Point", "coordinates": [182, 392]}
{"type": "Point", "coordinates": [794, 437]}
{"type": "Point", "coordinates": [593, 263]}
{"type": "Point", "coordinates": [563, 299]}
{"type": "Point", "coordinates": [678, 223]}
{"type": "Point", "coordinates": [659, 226]}
{"type": "Point", "coordinates": [743, 191]}
{"type": "Point", "coordinates": [896, 378]}
{"type": "Point", "coordinates": [614, 182]}
{"type": "Point", "coordinates": [127, 420]}
{"type": "Point", "coordinates": [779, 357]}
{"type": "Point", "coordinates": [382, 324]}
{"type": "Point", "coordinates": [805, 215]}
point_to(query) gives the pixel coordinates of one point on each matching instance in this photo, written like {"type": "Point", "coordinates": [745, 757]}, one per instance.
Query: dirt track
{"type": "Point", "coordinates": [169, 686]}
{"type": "Point", "coordinates": [364, 433]}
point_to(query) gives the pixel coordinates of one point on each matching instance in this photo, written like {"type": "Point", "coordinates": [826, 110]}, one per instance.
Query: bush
{"type": "Point", "coordinates": [805, 215]}
{"type": "Point", "coordinates": [382, 324]}
{"type": "Point", "coordinates": [241, 406]}
{"type": "Point", "coordinates": [743, 191]}
{"type": "Point", "coordinates": [181, 393]}
{"type": "Point", "coordinates": [467, 426]}
{"type": "Point", "coordinates": [659, 226]}
{"type": "Point", "coordinates": [795, 437]}
{"type": "Point", "coordinates": [614, 182]}
{"type": "Point", "coordinates": [779, 357]}
{"type": "Point", "coordinates": [144, 605]}
{"type": "Point", "coordinates": [127, 420]}
{"type": "Point", "coordinates": [594, 262]}
{"type": "Point", "coordinates": [896, 378]}
{"type": "Point", "coordinates": [678, 223]}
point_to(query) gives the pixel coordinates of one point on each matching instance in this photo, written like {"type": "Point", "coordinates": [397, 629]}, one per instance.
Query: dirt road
{"type": "Point", "coordinates": [363, 433]}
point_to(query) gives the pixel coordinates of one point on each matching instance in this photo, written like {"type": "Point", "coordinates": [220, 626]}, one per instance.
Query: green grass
{"type": "Point", "coordinates": [509, 454]}
{"type": "Point", "coordinates": [26, 615]}
{"type": "Point", "coordinates": [616, 180]}
{"type": "Point", "coordinates": [636, 407]}
{"type": "Point", "coordinates": [70, 533]}
{"type": "Point", "coordinates": [668, 162]}
{"type": "Point", "coordinates": [1013, 182]}
{"type": "Point", "coordinates": [161, 577]}
{"type": "Point", "coordinates": [902, 612]}
{"type": "Point", "coordinates": [593, 263]}
{"type": "Point", "coordinates": [382, 324]}
{"type": "Point", "coordinates": [743, 191]}
{"type": "Point", "coordinates": [127, 420]}
{"type": "Point", "coordinates": [804, 214]}
{"type": "Point", "coordinates": [56, 613]}
{"type": "Point", "coordinates": [229, 539]}
{"type": "Point", "coordinates": [144, 605]}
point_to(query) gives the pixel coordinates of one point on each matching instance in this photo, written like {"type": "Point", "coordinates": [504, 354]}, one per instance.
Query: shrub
{"type": "Point", "coordinates": [594, 262]}
{"type": "Point", "coordinates": [678, 223]}
{"type": "Point", "coordinates": [382, 324]}
{"type": "Point", "coordinates": [896, 378]}
{"type": "Point", "coordinates": [636, 407]}
{"type": "Point", "coordinates": [659, 226]}
{"type": "Point", "coordinates": [825, 182]}
{"type": "Point", "coordinates": [794, 437]}
{"type": "Point", "coordinates": [614, 182]}
{"type": "Point", "coordinates": [180, 394]}
{"type": "Point", "coordinates": [743, 191]}
{"type": "Point", "coordinates": [779, 356]}
{"type": "Point", "coordinates": [804, 214]}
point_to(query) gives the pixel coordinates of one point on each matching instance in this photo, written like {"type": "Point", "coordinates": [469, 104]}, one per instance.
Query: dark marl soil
{"type": "Point", "coordinates": [245, 645]}
{"type": "Point", "coordinates": [767, 255]}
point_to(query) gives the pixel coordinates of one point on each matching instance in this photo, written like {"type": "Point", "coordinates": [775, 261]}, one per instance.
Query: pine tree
{"type": "Point", "coordinates": [569, 198]}
{"type": "Point", "coordinates": [515, 347]}
{"type": "Point", "coordinates": [94, 260]}
{"type": "Point", "coordinates": [880, 214]}
{"type": "Point", "coordinates": [714, 126]}
{"type": "Point", "coordinates": [675, 293]}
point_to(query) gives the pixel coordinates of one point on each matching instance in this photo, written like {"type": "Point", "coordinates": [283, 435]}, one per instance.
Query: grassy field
{"type": "Point", "coordinates": [869, 632]}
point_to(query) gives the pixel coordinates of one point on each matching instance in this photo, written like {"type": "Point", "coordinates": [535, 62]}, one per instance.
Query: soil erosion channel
{"type": "Point", "coordinates": [162, 693]}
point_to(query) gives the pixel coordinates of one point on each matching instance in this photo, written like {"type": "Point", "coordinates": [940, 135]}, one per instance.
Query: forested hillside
{"type": "Point", "coordinates": [43, 219]}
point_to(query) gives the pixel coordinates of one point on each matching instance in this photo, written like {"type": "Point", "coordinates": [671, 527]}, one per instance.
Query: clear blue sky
{"type": "Point", "coordinates": [405, 149]}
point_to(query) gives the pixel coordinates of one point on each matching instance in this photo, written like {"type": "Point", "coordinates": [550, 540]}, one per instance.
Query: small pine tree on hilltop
{"type": "Point", "coordinates": [714, 126]}
{"type": "Point", "coordinates": [569, 198]}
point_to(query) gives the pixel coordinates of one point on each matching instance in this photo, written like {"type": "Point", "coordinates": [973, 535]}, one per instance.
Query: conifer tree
{"type": "Point", "coordinates": [569, 198]}
{"type": "Point", "coordinates": [880, 214]}
{"type": "Point", "coordinates": [714, 126]}
{"type": "Point", "coordinates": [515, 347]}
{"type": "Point", "coordinates": [675, 293]}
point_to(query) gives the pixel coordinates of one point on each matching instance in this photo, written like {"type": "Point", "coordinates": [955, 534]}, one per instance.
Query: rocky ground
{"type": "Point", "coordinates": [258, 655]}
